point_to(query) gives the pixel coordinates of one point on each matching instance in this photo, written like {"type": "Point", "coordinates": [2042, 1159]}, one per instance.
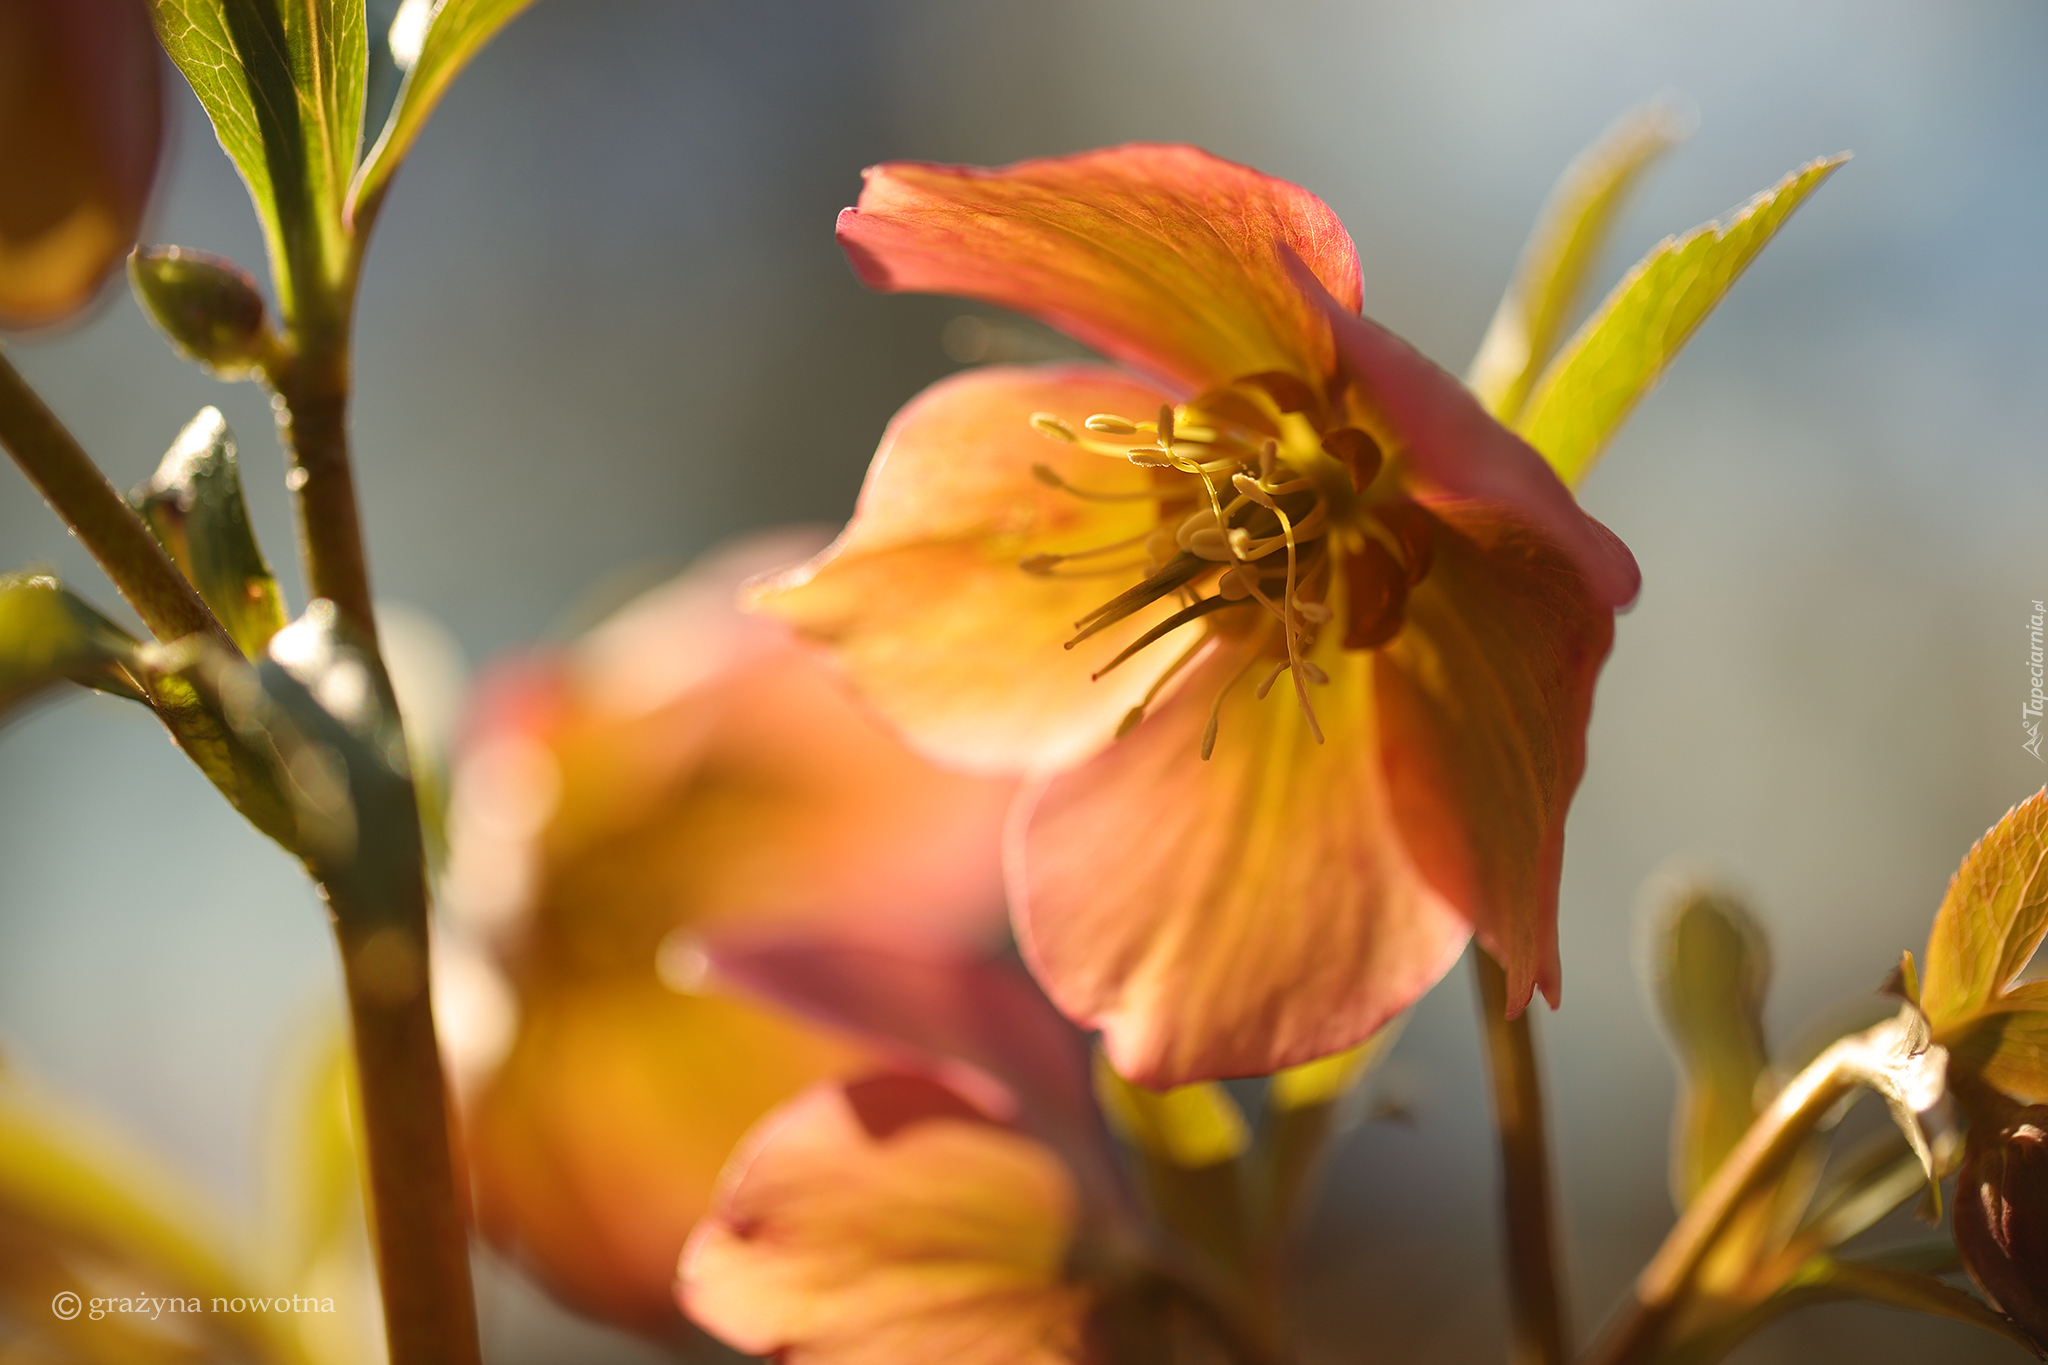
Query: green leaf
{"type": "Point", "coordinates": [2007, 1045]}
{"type": "Point", "coordinates": [1991, 920]}
{"type": "Point", "coordinates": [194, 504]}
{"type": "Point", "coordinates": [1713, 967]}
{"type": "Point", "coordinates": [1618, 354]}
{"type": "Point", "coordinates": [50, 635]}
{"type": "Point", "coordinates": [282, 81]}
{"type": "Point", "coordinates": [449, 34]}
{"type": "Point", "coordinates": [1562, 247]}
{"type": "Point", "coordinates": [1872, 1181]}
{"type": "Point", "coordinates": [82, 1212]}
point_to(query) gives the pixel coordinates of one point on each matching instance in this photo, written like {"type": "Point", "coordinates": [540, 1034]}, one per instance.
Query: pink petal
{"type": "Point", "coordinates": [1164, 257]}
{"type": "Point", "coordinates": [1451, 441]}
{"type": "Point", "coordinates": [1232, 917]}
{"type": "Point", "coordinates": [1484, 698]}
{"type": "Point", "coordinates": [922, 598]}
{"type": "Point", "coordinates": [886, 1222]}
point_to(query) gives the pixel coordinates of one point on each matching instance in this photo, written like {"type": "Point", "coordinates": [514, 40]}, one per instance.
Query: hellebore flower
{"type": "Point", "coordinates": [684, 777]}
{"type": "Point", "coordinates": [1046, 560]}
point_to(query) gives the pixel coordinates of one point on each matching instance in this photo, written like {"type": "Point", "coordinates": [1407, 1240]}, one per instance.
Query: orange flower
{"type": "Point", "coordinates": [1045, 559]}
{"type": "Point", "coordinates": [681, 779]}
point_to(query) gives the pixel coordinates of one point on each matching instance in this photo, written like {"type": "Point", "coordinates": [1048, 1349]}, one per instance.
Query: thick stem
{"type": "Point", "coordinates": [103, 521]}
{"type": "Point", "coordinates": [312, 422]}
{"type": "Point", "coordinates": [1535, 1288]}
{"type": "Point", "coordinates": [416, 1217]}
{"type": "Point", "coordinates": [1770, 1142]}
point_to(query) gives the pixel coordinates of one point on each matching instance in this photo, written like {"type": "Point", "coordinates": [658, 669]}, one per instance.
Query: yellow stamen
{"type": "Point", "coordinates": [1109, 424]}
{"type": "Point", "coordinates": [1049, 425]}
{"type": "Point", "coordinates": [1050, 477]}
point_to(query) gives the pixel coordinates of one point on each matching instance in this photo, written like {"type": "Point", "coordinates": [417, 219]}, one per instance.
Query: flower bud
{"type": "Point", "coordinates": [2001, 1218]}
{"type": "Point", "coordinates": [80, 131]}
{"type": "Point", "coordinates": [206, 304]}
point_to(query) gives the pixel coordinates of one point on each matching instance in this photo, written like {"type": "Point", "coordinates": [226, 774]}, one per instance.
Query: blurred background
{"type": "Point", "coordinates": [605, 326]}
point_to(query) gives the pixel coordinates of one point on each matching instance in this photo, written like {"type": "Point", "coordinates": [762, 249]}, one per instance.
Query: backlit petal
{"type": "Point", "coordinates": [1163, 257]}
{"type": "Point", "coordinates": [1484, 698]}
{"type": "Point", "coordinates": [597, 1144]}
{"type": "Point", "coordinates": [1024, 1062]}
{"type": "Point", "coordinates": [1453, 443]}
{"type": "Point", "coordinates": [885, 1222]}
{"type": "Point", "coordinates": [922, 598]}
{"type": "Point", "coordinates": [1232, 917]}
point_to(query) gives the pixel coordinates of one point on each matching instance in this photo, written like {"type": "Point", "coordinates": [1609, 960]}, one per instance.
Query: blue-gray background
{"type": "Point", "coordinates": [605, 324]}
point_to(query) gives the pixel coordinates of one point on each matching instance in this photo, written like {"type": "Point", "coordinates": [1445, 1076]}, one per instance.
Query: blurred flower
{"type": "Point", "coordinates": [81, 126]}
{"type": "Point", "coordinates": [679, 780]}
{"type": "Point", "coordinates": [1237, 885]}
{"type": "Point", "coordinates": [892, 1218]}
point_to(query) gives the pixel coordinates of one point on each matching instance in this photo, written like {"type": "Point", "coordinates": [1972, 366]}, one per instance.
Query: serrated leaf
{"type": "Point", "coordinates": [194, 505]}
{"type": "Point", "coordinates": [282, 81]}
{"type": "Point", "coordinates": [452, 33]}
{"type": "Point", "coordinates": [2007, 1045]}
{"type": "Point", "coordinates": [1615, 358]}
{"type": "Point", "coordinates": [50, 635]}
{"type": "Point", "coordinates": [1563, 246]}
{"type": "Point", "coordinates": [1190, 1126]}
{"type": "Point", "coordinates": [1713, 967]}
{"type": "Point", "coordinates": [1992, 918]}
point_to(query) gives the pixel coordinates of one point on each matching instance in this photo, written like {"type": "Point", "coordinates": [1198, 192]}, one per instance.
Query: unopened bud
{"type": "Point", "coordinates": [2001, 1217]}
{"type": "Point", "coordinates": [206, 304]}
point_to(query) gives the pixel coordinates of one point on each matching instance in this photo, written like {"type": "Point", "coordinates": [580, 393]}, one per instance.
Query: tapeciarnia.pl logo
{"type": "Point", "coordinates": [2030, 712]}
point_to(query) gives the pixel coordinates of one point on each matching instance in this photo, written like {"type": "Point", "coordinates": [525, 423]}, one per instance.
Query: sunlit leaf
{"type": "Point", "coordinates": [448, 37]}
{"type": "Point", "coordinates": [1562, 247]}
{"type": "Point", "coordinates": [2008, 1045]}
{"type": "Point", "coordinates": [82, 1212]}
{"type": "Point", "coordinates": [283, 84]}
{"type": "Point", "coordinates": [1713, 967]}
{"type": "Point", "coordinates": [1615, 358]}
{"type": "Point", "coordinates": [194, 504]}
{"type": "Point", "coordinates": [50, 635]}
{"type": "Point", "coordinates": [1992, 918]}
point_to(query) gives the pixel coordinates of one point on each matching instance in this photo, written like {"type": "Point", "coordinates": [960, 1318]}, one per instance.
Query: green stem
{"type": "Point", "coordinates": [1770, 1142]}
{"type": "Point", "coordinates": [102, 520]}
{"type": "Point", "coordinates": [1535, 1290]}
{"type": "Point", "coordinates": [416, 1223]}
{"type": "Point", "coordinates": [312, 386]}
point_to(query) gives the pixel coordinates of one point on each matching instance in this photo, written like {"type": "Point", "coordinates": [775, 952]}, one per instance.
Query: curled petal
{"type": "Point", "coordinates": [1484, 698]}
{"type": "Point", "coordinates": [1451, 441]}
{"type": "Point", "coordinates": [1235, 916]}
{"type": "Point", "coordinates": [923, 598]}
{"type": "Point", "coordinates": [887, 1222]}
{"type": "Point", "coordinates": [1164, 257]}
{"type": "Point", "coordinates": [596, 1145]}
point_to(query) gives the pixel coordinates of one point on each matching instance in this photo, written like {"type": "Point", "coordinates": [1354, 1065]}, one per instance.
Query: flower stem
{"type": "Point", "coordinates": [102, 520]}
{"type": "Point", "coordinates": [312, 387]}
{"type": "Point", "coordinates": [1770, 1142]}
{"type": "Point", "coordinates": [416, 1222]}
{"type": "Point", "coordinates": [1535, 1291]}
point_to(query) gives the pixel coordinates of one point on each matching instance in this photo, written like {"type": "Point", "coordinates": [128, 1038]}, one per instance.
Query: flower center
{"type": "Point", "coordinates": [1273, 522]}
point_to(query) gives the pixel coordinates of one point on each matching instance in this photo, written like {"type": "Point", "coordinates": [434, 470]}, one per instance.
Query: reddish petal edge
{"type": "Point", "coordinates": [1450, 440]}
